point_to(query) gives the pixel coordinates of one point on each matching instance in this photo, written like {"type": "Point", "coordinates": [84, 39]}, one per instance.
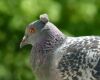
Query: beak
{"type": "Point", "coordinates": [23, 42]}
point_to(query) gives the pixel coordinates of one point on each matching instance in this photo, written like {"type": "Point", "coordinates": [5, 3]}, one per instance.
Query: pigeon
{"type": "Point", "coordinates": [55, 56]}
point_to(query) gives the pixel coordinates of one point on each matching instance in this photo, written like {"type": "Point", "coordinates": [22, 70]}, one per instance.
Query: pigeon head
{"type": "Point", "coordinates": [33, 30]}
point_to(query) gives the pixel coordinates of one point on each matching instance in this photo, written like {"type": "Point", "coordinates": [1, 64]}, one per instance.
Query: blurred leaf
{"type": "Point", "coordinates": [3, 72]}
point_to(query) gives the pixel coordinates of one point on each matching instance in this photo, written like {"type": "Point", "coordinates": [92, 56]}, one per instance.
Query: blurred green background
{"type": "Point", "coordinates": [73, 17]}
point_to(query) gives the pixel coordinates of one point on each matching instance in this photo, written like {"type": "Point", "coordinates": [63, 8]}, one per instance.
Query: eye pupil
{"type": "Point", "coordinates": [31, 30]}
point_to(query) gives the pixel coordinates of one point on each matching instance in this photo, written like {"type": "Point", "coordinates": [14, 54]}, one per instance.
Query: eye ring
{"type": "Point", "coordinates": [31, 30]}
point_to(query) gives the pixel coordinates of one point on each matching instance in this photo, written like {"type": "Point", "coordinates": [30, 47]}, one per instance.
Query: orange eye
{"type": "Point", "coordinates": [31, 30]}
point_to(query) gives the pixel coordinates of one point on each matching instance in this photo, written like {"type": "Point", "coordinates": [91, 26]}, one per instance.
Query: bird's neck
{"type": "Point", "coordinates": [44, 50]}
{"type": "Point", "coordinates": [50, 41]}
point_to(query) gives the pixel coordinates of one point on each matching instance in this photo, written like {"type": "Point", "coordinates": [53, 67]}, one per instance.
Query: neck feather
{"type": "Point", "coordinates": [42, 51]}
{"type": "Point", "coordinates": [51, 40]}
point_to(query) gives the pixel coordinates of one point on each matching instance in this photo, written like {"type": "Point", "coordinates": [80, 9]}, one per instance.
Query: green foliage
{"type": "Point", "coordinates": [73, 17]}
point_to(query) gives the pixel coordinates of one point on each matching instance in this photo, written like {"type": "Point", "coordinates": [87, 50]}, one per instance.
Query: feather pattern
{"type": "Point", "coordinates": [79, 58]}
{"type": "Point", "coordinates": [55, 56]}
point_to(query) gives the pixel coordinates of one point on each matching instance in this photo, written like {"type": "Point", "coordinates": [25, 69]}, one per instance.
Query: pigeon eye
{"type": "Point", "coordinates": [31, 30]}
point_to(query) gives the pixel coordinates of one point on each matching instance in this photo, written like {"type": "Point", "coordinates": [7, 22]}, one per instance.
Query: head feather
{"type": "Point", "coordinates": [44, 18]}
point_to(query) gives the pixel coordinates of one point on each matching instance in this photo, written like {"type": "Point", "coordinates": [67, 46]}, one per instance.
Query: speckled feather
{"type": "Point", "coordinates": [79, 58]}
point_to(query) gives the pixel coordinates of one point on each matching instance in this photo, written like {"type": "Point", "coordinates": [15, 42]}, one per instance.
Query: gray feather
{"type": "Point", "coordinates": [57, 57]}
{"type": "Point", "coordinates": [79, 58]}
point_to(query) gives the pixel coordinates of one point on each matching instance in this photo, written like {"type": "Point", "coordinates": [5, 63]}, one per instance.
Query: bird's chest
{"type": "Point", "coordinates": [41, 65]}
{"type": "Point", "coordinates": [39, 61]}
